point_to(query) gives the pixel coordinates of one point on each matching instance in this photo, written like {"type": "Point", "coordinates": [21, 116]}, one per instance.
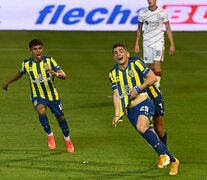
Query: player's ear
{"type": "Point", "coordinates": [128, 54]}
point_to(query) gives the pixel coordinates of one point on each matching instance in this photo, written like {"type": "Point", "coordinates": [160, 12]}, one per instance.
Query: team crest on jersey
{"type": "Point", "coordinates": [158, 16]}
{"type": "Point", "coordinates": [45, 66]}
{"type": "Point", "coordinates": [131, 73]}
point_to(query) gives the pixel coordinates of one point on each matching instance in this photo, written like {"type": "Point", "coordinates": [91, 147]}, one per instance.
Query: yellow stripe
{"type": "Point", "coordinates": [31, 83]}
{"type": "Point", "coordinates": [53, 86]}
{"type": "Point", "coordinates": [54, 62]}
{"type": "Point", "coordinates": [48, 62]}
{"type": "Point", "coordinates": [36, 77]}
{"type": "Point", "coordinates": [141, 67]}
{"type": "Point", "coordinates": [126, 100]}
{"type": "Point", "coordinates": [137, 79]}
{"type": "Point", "coordinates": [152, 90]}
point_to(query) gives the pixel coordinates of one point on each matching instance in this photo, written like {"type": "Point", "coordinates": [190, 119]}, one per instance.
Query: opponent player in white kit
{"type": "Point", "coordinates": [152, 19]}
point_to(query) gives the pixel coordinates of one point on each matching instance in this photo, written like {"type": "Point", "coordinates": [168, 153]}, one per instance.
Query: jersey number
{"type": "Point", "coordinates": [144, 108]}
{"type": "Point", "coordinates": [60, 106]}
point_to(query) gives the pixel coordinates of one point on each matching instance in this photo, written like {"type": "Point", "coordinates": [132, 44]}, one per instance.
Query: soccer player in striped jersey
{"type": "Point", "coordinates": [129, 80]}
{"type": "Point", "coordinates": [152, 20]}
{"type": "Point", "coordinates": [41, 71]}
{"type": "Point", "coordinates": [158, 118]}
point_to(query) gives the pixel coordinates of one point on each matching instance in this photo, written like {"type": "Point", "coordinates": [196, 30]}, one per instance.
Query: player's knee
{"type": "Point", "coordinates": [141, 129]}
{"type": "Point", "coordinates": [60, 118]}
{"type": "Point", "coordinates": [41, 110]}
{"type": "Point", "coordinates": [160, 130]}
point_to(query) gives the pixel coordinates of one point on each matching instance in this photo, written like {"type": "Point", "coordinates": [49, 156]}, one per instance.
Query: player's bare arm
{"type": "Point", "coordinates": [170, 37]}
{"type": "Point", "coordinates": [60, 73]}
{"type": "Point", "coordinates": [149, 79]}
{"type": "Point", "coordinates": [116, 102]}
{"type": "Point", "coordinates": [138, 36]}
{"type": "Point", "coordinates": [15, 77]}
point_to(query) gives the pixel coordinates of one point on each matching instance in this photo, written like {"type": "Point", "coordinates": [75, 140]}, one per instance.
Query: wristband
{"type": "Point", "coordinates": [117, 116]}
{"type": "Point", "coordinates": [57, 74]}
{"type": "Point", "coordinates": [137, 89]}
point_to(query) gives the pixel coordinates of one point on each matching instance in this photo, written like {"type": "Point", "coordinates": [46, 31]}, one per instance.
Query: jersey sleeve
{"type": "Point", "coordinates": [142, 68]}
{"type": "Point", "coordinates": [165, 17]}
{"type": "Point", "coordinates": [112, 81]}
{"type": "Point", "coordinates": [22, 69]}
{"type": "Point", "coordinates": [140, 17]}
{"type": "Point", "coordinates": [54, 65]}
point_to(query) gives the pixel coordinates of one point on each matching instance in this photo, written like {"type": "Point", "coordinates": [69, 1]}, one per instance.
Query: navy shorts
{"type": "Point", "coordinates": [146, 108]}
{"type": "Point", "coordinates": [56, 106]}
{"type": "Point", "coordinates": [159, 109]}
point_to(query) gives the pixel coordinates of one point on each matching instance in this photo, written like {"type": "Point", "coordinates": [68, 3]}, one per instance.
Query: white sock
{"type": "Point", "coordinates": [51, 134]}
{"type": "Point", "coordinates": [158, 81]}
{"type": "Point", "coordinates": [66, 138]}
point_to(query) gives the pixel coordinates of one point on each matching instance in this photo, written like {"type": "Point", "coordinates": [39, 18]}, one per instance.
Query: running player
{"type": "Point", "coordinates": [41, 71]}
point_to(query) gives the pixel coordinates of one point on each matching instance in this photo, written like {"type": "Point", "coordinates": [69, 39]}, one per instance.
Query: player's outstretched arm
{"type": "Point", "coordinates": [5, 85]}
{"type": "Point", "coordinates": [60, 73]}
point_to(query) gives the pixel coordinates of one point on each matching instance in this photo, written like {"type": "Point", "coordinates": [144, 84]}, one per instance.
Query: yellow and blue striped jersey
{"type": "Point", "coordinates": [124, 80]}
{"type": "Point", "coordinates": [152, 91]}
{"type": "Point", "coordinates": [41, 82]}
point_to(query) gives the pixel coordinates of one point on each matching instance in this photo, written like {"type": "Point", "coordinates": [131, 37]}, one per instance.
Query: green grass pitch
{"type": "Point", "coordinates": [102, 151]}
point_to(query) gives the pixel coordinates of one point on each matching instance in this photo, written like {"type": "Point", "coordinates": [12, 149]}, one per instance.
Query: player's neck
{"type": "Point", "coordinates": [37, 60]}
{"type": "Point", "coordinates": [152, 8]}
{"type": "Point", "coordinates": [123, 66]}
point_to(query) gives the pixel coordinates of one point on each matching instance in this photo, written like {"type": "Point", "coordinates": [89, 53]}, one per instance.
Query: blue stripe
{"type": "Point", "coordinates": [42, 84]}
{"type": "Point", "coordinates": [33, 78]}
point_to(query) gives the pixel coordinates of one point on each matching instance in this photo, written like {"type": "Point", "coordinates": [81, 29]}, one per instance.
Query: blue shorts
{"type": "Point", "coordinates": [159, 109]}
{"type": "Point", "coordinates": [146, 108]}
{"type": "Point", "coordinates": [56, 106]}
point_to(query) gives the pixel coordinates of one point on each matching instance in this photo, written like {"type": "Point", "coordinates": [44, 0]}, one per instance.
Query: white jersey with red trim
{"type": "Point", "coordinates": [153, 25]}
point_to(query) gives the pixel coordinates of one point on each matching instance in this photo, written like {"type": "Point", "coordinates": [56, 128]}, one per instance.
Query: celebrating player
{"type": "Point", "coordinates": [158, 118]}
{"type": "Point", "coordinates": [41, 71]}
{"type": "Point", "coordinates": [129, 80]}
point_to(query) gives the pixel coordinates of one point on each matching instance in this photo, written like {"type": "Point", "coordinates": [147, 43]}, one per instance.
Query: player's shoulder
{"type": "Point", "coordinates": [143, 10]}
{"type": "Point", "coordinates": [161, 10]}
{"type": "Point", "coordinates": [47, 57]}
{"type": "Point", "coordinates": [114, 68]}
{"type": "Point", "coordinates": [27, 60]}
{"type": "Point", "coordinates": [136, 58]}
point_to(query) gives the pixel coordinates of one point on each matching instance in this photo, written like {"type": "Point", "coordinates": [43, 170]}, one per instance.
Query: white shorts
{"type": "Point", "coordinates": [153, 53]}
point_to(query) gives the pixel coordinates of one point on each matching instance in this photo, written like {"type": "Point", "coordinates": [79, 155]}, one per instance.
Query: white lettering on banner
{"type": "Point", "coordinates": [187, 14]}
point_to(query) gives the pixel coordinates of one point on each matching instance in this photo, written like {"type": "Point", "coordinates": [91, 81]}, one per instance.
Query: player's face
{"type": "Point", "coordinates": [152, 3]}
{"type": "Point", "coordinates": [121, 55]}
{"type": "Point", "coordinates": [37, 52]}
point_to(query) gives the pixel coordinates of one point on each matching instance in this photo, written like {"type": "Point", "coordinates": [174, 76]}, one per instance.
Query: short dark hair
{"type": "Point", "coordinates": [35, 42]}
{"type": "Point", "coordinates": [120, 44]}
